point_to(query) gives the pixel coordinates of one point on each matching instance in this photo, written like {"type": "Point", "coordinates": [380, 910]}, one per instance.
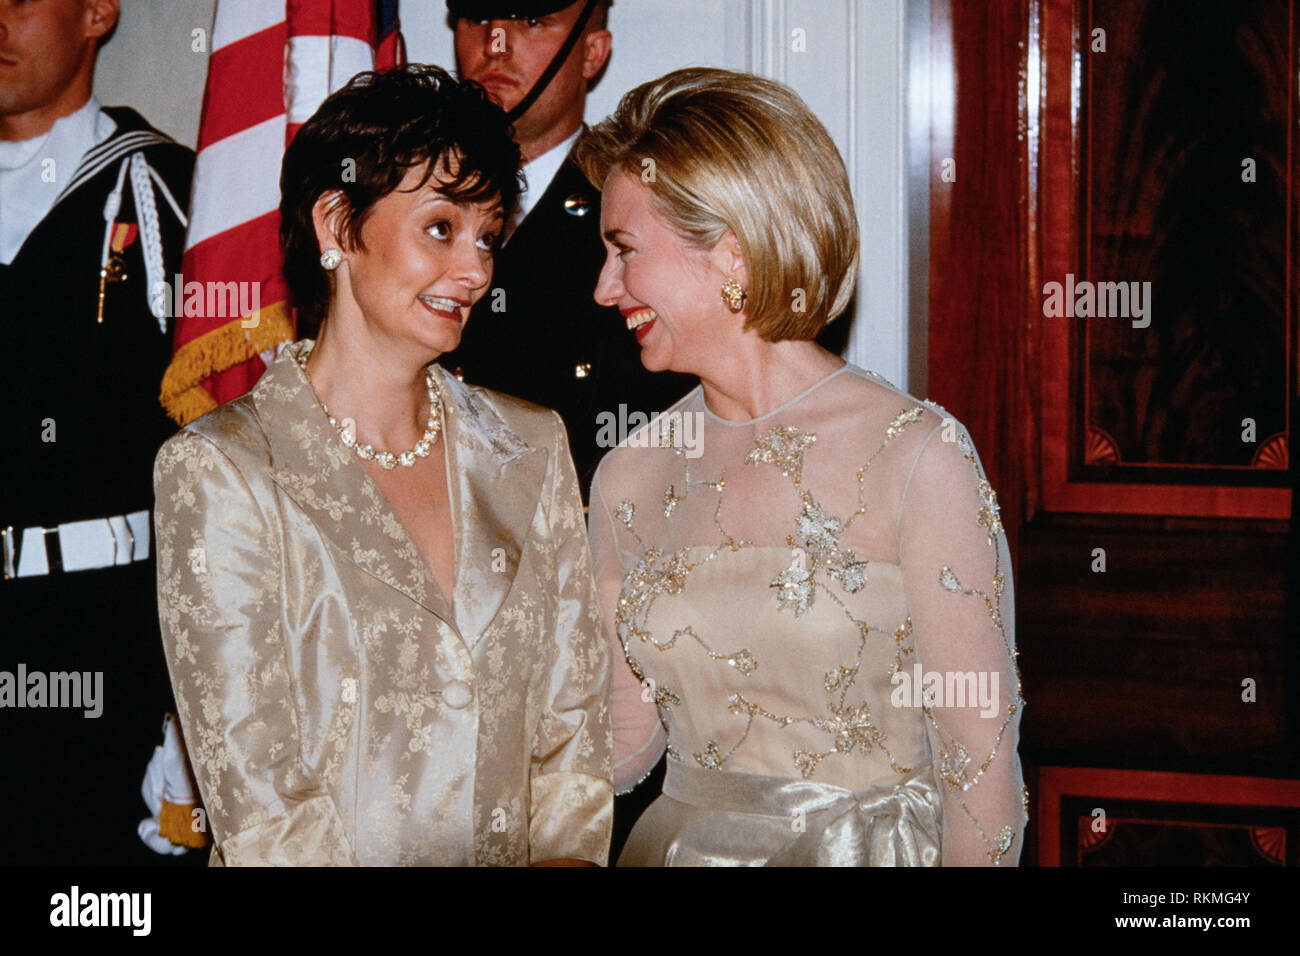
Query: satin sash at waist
{"type": "Point", "coordinates": [886, 825]}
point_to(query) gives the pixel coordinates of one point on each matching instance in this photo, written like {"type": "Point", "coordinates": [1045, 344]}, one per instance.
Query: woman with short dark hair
{"type": "Point", "coordinates": [374, 585]}
{"type": "Point", "coordinates": [801, 564]}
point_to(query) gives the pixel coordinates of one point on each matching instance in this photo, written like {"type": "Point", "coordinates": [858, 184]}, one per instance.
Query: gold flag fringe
{"type": "Point", "coordinates": [183, 396]}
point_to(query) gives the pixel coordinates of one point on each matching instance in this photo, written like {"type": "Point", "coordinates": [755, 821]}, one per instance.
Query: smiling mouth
{"type": "Point", "coordinates": [639, 317]}
{"type": "Point", "coordinates": [443, 305]}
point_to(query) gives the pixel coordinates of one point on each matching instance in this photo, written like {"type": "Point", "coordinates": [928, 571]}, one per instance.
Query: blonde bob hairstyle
{"type": "Point", "coordinates": [723, 150]}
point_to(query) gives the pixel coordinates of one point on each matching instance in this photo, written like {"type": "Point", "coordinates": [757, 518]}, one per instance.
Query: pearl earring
{"type": "Point", "coordinates": [331, 259]}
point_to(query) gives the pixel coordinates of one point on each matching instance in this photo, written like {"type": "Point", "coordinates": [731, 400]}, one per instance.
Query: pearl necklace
{"type": "Point", "coordinates": [386, 459]}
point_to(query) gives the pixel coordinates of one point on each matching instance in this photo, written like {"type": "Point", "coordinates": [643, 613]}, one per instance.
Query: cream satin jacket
{"type": "Point", "coordinates": [335, 708]}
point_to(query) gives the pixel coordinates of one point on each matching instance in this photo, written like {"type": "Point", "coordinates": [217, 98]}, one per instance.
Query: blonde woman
{"type": "Point", "coordinates": [810, 601]}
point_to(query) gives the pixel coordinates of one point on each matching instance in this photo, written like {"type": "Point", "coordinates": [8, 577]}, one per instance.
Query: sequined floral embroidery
{"type": "Point", "coordinates": [783, 447]}
{"type": "Point", "coordinates": [823, 570]}
{"type": "Point", "coordinates": [821, 536]}
{"type": "Point", "coordinates": [794, 590]}
{"type": "Point", "coordinates": [625, 512]}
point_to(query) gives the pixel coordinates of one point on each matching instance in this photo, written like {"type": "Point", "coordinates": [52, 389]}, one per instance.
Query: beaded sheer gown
{"type": "Point", "coordinates": [812, 612]}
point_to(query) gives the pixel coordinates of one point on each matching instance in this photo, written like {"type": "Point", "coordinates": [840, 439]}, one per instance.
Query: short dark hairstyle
{"type": "Point", "coordinates": [385, 124]}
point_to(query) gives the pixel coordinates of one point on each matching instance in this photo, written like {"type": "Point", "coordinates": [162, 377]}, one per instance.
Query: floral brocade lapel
{"type": "Point", "coordinates": [491, 508]}
{"type": "Point", "coordinates": [495, 479]}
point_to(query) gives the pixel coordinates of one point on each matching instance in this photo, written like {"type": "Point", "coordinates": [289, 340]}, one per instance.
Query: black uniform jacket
{"type": "Point", "coordinates": [82, 425]}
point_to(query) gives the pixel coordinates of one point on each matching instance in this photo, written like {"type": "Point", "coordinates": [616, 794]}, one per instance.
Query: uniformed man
{"type": "Point", "coordinates": [538, 334]}
{"type": "Point", "coordinates": [91, 217]}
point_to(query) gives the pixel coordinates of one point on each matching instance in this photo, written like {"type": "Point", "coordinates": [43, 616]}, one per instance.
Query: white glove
{"type": "Point", "coordinates": [167, 777]}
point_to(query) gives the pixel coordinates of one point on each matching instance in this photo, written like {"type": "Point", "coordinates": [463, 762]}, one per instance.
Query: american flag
{"type": "Point", "coordinates": [272, 64]}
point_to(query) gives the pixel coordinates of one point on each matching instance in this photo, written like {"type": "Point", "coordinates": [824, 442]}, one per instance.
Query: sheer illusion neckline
{"type": "Point", "coordinates": [776, 411]}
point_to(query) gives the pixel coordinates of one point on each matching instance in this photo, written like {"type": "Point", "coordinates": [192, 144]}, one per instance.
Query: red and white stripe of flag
{"type": "Point", "coordinates": [271, 66]}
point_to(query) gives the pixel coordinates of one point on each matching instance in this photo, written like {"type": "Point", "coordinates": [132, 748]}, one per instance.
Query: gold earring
{"type": "Point", "coordinates": [733, 294]}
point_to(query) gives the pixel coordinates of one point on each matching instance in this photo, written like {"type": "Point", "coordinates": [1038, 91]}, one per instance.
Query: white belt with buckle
{"type": "Point", "coordinates": [82, 545]}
